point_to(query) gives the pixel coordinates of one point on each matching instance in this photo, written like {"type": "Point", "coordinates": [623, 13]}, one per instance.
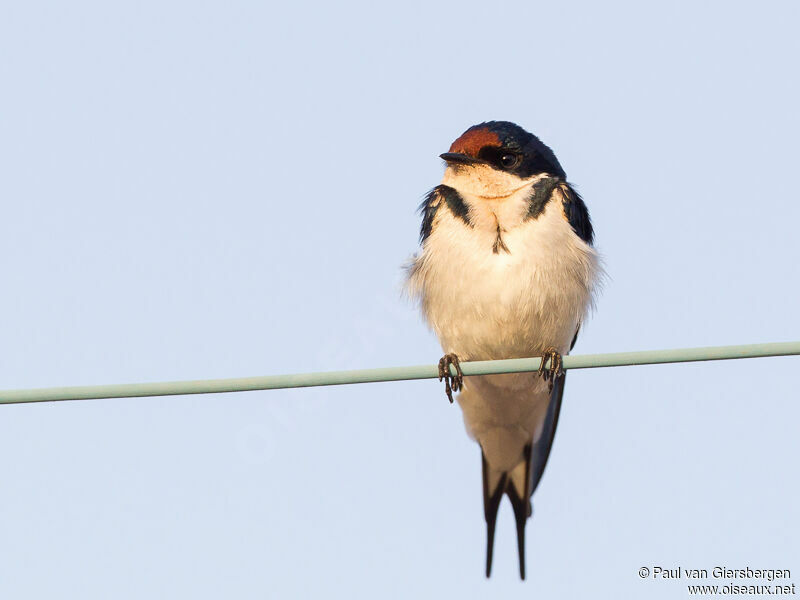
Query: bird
{"type": "Point", "coordinates": [507, 268]}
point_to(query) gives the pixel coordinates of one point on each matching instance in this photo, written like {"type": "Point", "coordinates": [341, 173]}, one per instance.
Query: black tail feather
{"type": "Point", "coordinates": [491, 503]}
{"type": "Point", "coordinates": [522, 509]}
{"type": "Point", "coordinates": [520, 503]}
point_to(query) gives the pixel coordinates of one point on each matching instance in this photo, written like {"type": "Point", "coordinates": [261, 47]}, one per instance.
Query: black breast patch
{"type": "Point", "coordinates": [574, 208]}
{"type": "Point", "coordinates": [433, 202]}
{"type": "Point", "coordinates": [540, 196]}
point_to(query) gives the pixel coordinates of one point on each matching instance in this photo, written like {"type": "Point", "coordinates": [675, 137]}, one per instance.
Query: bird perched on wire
{"type": "Point", "coordinates": [507, 270]}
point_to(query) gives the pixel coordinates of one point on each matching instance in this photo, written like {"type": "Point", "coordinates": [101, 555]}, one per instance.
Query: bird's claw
{"type": "Point", "coordinates": [452, 383]}
{"type": "Point", "coordinates": [555, 369]}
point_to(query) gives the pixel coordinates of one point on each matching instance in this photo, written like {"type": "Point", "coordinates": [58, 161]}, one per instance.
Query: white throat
{"type": "Point", "coordinates": [483, 181]}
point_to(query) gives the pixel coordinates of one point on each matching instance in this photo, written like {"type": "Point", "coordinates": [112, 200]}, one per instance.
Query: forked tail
{"type": "Point", "coordinates": [516, 485]}
{"type": "Point", "coordinates": [520, 482]}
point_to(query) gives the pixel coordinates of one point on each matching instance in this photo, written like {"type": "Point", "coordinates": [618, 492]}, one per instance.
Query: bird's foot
{"type": "Point", "coordinates": [452, 383]}
{"type": "Point", "coordinates": [554, 370]}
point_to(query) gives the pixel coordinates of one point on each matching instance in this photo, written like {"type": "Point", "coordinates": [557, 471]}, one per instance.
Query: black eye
{"type": "Point", "coordinates": [509, 161]}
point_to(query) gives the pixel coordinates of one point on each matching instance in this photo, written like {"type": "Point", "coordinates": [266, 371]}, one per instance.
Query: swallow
{"type": "Point", "coordinates": [507, 269]}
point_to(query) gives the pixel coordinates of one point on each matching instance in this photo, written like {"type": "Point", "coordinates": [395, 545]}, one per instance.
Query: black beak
{"type": "Point", "coordinates": [459, 159]}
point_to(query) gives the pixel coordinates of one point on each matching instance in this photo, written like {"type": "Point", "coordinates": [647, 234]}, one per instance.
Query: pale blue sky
{"type": "Point", "coordinates": [199, 189]}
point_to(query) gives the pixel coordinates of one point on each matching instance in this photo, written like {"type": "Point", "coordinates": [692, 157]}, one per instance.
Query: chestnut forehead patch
{"type": "Point", "coordinates": [473, 140]}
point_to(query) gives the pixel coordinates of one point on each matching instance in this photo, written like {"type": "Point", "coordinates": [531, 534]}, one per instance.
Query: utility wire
{"type": "Point", "coordinates": [481, 367]}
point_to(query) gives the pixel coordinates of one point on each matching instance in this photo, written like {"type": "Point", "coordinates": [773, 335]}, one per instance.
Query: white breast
{"type": "Point", "coordinates": [483, 304]}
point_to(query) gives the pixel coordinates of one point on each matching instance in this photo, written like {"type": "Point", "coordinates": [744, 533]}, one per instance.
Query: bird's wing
{"type": "Point", "coordinates": [577, 214]}
{"type": "Point", "coordinates": [540, 451]}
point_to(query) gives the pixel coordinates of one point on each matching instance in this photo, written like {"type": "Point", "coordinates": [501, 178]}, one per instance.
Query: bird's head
{"type": "Point", "coordinates": [496, 158]}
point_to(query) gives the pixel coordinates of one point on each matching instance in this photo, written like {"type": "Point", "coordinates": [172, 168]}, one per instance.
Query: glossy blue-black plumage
{"type": "Point", "coordinates": [432, 203]}
{"type": "Point", "coordinates": [541, 191]}
{"type": "Point", "coordinates": [574, 208]}
{"type": "Point", "coordinates": [536, 157]}
{"type": "Point", "coordinates": [577, 214]}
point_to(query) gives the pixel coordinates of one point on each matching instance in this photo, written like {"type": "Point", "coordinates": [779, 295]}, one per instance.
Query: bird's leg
{"type": "Point", "coordinates": [554, 370]}
{"type": "Point", "coordinates": [452, 383]}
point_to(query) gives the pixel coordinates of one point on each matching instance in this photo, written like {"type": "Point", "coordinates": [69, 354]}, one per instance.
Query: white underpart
{"type": "Point", "coordinates": [485, 305]}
